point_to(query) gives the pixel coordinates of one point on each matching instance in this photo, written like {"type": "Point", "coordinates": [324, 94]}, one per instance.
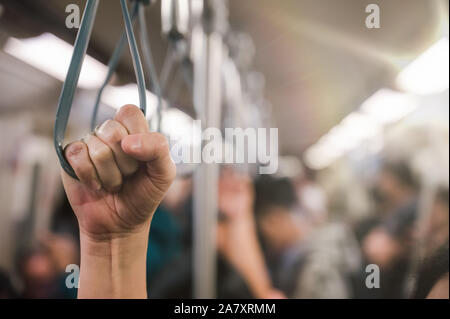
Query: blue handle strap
{"type": "Point", "coordinates": [112, 66]}
{"type": "Point", "coordinates": [73, 74]}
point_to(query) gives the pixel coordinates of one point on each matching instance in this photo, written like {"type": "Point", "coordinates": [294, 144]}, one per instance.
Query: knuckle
{"type": "Point", "coordinates": [127, 111]}
{"type": "Point", "coordinates": [114, 184]}
{"type": "Point", "coordinates": [130, 168]}
{"type": "Point", "coordinates": [101, 154]}
{"type": "Point", "coordinates": [111, 132]}
{"type": "Point", "coordinates": [85, 171]}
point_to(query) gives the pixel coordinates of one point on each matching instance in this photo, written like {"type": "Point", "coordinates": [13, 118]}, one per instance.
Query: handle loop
{"type": "Point", "coordinates": [73, 74]}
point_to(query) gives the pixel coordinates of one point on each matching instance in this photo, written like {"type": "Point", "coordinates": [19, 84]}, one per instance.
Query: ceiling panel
{"type": "Point", "coordinates": [319, 59]}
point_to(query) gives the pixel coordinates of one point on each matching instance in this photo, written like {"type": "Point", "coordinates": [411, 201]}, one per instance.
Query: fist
{"type": "Point", "coordinates": [123, 170]}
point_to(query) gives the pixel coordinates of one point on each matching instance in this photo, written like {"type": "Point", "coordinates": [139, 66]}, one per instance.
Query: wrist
{"type": "Point", "coordinates": [118, 237]}
{"type": "Point", "coordinates": [114, 265]}
{"type": "Point", "coordinates": [108, 245]}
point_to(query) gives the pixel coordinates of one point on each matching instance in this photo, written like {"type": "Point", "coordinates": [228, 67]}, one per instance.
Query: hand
{"type": "Point", "coordinates": [124, 172]}
{"type": "Point", "coordinates": [237, 239]}
{"type": "Point", "coordinates": [236, 232]}
{"type": "Point", "coordinates": [236, 195]}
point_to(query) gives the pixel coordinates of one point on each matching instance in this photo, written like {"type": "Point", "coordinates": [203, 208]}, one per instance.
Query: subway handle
{"type": "Point", "coordinates": [73, 74]}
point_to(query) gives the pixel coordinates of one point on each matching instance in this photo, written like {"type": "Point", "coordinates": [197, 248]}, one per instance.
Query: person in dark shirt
{"type": "Point", "coordinates": [389, 243]}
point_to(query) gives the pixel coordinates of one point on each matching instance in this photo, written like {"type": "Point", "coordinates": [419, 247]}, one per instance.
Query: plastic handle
{"type": "Point", "coordinates": [112, 66]}
{"type": "Point", "coordinates": [73, 74]}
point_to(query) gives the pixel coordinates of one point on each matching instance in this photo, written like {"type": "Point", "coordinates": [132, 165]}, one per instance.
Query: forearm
{"type": "Point", "coordinates": [252, 268]}
{"type": "Point", "coordinates": [255, 273]}
{"type": "Point", "coordinates": [114, 267]}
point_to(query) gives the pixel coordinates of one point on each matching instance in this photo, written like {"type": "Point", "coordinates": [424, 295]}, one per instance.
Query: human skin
{"type": "Point", "coordinates": [237, 237]}
{"type": "Point", "coordinates": [124, 170]}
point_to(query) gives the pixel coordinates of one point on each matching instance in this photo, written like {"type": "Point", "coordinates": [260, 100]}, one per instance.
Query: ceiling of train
{"type": "Point", "coordinates": [318, 58]}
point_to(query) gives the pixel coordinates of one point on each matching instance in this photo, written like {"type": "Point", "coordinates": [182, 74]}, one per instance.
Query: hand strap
{"type": "Point", "coordinates": [73, 74]}
{"type": "Point", "coordinates": [112, 66]}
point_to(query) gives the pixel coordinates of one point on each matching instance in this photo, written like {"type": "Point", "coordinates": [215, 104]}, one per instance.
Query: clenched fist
{"type": "Point", "coordinates": [124, 171]}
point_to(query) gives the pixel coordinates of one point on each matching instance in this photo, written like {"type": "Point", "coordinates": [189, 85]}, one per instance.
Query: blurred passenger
{"type": "Point", "coordinates": [164, 243]}
{"type": "Point", "coordinates": [63, 250]}
{"type": "Point", "coordinates": [241, 271]}
{"type": "Point", "coordinates": [237, 236]}
{"type": "Point", "coordinates": [42, 269]}
{"type": "Point", "coordinates": [312, 198]}
{"type": "Point", "coordinates": [38, 274]}
{"type": "Point", "coordinates": [389, 243]}
{"type": "Point", "coordinates": [304, 263]}
{"type": "Point", "coordinates": [169, 267]}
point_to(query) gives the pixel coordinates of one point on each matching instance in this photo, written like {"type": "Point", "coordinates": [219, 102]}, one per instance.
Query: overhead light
{"type": "Point", "coordinates": [118, 96]}
{"type": "Point", "coordinates": [52, 55]}
{"type": "Point", "coordinates": [387, 106]}
{"type": "Point", "coordinates": [350, 133]}
{"type": "Point", "coordinates": [429, 73]}
{"type": "Point", "coordinates": [319, 156]}
{"type": "Point", "coordinates": [353, 130]}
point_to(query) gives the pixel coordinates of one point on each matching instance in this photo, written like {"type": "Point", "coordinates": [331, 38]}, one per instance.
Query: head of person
{"type": "Point", "coordinates": [396, 183]}
{"type": "Point", "coordinates": [38, 273]}
{"type": "Point", "coordinates": [276, 218]}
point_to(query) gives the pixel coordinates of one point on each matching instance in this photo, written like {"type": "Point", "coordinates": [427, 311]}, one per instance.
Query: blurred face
{"type": "Point", "coordinates": [280, 228]}
{"type": "Point", "coordinates": [39, 273]}
{"type": "Point", "coordinates": [38, 268]}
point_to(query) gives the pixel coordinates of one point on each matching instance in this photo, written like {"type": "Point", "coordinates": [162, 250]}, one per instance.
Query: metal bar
{"type": "Point", "coordinates": [207, 97]}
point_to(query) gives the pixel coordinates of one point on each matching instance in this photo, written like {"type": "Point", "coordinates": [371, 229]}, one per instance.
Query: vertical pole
{"type": "Point", "coordinates": [207, 97]}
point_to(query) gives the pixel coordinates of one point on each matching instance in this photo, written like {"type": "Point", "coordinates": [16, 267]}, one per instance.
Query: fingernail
{"type": "Point", "coordinates": [73, 150]}
{"type": "Point", "coordinates": [135, 143]}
